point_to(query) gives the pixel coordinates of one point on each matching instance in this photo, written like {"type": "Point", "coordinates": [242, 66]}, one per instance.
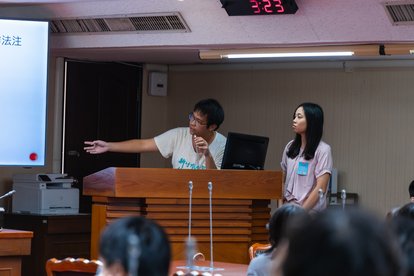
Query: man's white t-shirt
{"type": "Point", "coordinates": [177, 143]}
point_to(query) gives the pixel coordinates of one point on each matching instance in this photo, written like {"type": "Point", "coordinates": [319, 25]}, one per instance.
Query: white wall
{"type": "Point", "coordinates": [153, 118]}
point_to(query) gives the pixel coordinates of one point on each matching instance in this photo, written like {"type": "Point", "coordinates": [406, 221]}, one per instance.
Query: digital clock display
{"type": "Point", "coordinates": [259, 7]}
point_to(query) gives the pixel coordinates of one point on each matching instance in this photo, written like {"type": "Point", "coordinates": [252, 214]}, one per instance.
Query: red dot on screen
{"type": "Point", "coordinates": [33, 156]}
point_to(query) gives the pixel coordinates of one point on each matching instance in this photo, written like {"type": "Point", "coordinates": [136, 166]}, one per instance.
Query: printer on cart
{"type": "Point", "coordinates": [45, 194]}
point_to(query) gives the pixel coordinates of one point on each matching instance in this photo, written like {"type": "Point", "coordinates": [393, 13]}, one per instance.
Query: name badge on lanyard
{"type": "Point", "coordinates": [303, 168]}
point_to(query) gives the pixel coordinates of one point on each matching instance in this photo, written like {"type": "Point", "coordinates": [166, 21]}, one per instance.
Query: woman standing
{"type": "Point", "coordinates": [306, 160]}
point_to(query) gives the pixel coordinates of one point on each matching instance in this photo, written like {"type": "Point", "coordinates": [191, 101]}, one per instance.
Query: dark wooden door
{"type": "Point", "coordinates": [103, 101]}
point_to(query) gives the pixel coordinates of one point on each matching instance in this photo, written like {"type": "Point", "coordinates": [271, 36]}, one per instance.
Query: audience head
{"type": "Point", "coordinates": [406, 211]}
{"type": "Point", "coordinates": [279, 221]}
{"type": "Point", "coordinates": [134, 246]}
{"type": "Point", "coordinates": [411, 191]}
{"type": "Point", "coordinates": [342, 243]}
{"type": "Point", "coordinates": [213, 110]}
{"type": "Point", "coordinates": [403, 229]}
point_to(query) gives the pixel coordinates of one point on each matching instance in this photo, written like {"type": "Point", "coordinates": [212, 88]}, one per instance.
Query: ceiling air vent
{"type": "Point", "coordinates": [400, 12]}
{"type": "Point", "coordinates": [171, 22]}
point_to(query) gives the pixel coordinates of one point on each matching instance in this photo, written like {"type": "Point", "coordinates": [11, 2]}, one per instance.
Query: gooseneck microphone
{"type": "Point", "coordinates": [210, 191]}
{"type": "Point", "coordinates": [190, 267]}
{"type": "Point", "coordinates": [190, 244]}
{"type": "Point", "coordinates": [190, 197]}
{"type": "Point", "coordinates": [8, 194]}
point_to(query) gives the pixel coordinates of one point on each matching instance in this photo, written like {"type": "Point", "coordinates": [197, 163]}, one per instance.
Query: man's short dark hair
{"type": "Point", "coordinates": [411, 189]}
{"type": "Point", "coordinates": [140, 235]}
{"type": "Point", "coordinates": [213, 110]}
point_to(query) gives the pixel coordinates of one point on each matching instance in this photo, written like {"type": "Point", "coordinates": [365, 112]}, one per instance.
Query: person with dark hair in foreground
{"type": "Point", "coordinates": [261, 265]}
{"type": "Point", "coordinates": [307, 160]}
{"type": "Point", "coordinates": [198, 146]}
{"type": "Point", "coordinates": [406, 212]}
{"type": "Point", "coordinates": [403, 229]}
{"type": "Point", "coordinates": [134, 246]}
{"type": "Point", "coordinates": [341, 243]}
{"type": "Point", "coordinates": [411, 191]}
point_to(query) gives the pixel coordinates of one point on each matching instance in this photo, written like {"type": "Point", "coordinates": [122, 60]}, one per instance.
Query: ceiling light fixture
{"type": "Point", "coordinates": [399, 49]}
{"type": "Point", "coordinates": [293, 54]}
{"type": "Point", "coordinates": [298, 52]}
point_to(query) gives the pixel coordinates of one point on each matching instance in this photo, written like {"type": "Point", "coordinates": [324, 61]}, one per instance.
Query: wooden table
{"type": "Point", "coordinates": [55, 236]}
{"type": "Point", "coordinates": [13, 245]}
{"type": "Point", "coordinates": [230, 269]}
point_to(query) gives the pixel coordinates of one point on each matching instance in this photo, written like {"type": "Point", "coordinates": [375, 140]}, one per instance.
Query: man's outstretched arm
{"type": "Point", "coordinates": [129, 146]}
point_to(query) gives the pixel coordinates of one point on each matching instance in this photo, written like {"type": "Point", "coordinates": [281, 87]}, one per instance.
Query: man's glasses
{"type": "Point", "coordinates": [194, 119]}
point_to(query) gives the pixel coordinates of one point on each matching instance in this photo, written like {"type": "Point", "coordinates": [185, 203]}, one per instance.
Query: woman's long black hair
{"type": "Point", "coordinates": [314, 131]}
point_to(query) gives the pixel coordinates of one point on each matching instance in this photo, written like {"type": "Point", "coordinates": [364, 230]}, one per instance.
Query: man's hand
{"type": "Point", "coordinates": [96, 147]}
{"type": "Point", "coordinates": [201, 145]}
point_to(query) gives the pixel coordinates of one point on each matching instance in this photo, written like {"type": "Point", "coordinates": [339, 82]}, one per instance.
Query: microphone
{"type": "Point", "coordinates": [210, 191]}
{"type": "Point", "coordinates": [190, 197]}
{"type": "Point", "coordinates": [210, 195]}
{"type": "Point", "coordinates": [190, 241]}
{"type": "Point", "coordinates": [8, 194]}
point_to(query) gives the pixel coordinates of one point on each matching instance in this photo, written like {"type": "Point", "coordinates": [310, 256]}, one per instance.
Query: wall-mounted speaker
{"type": "Point", "coordinates": [157, 84]}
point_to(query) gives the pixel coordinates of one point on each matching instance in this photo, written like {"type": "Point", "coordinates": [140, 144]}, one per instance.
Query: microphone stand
{"type": "Point", "coordinates": [343, 197]}
{"type": "Point", "coordinates": [8, 194]}
{"type": "Point", "coordinates": [134, 253]}
{"type": "Point", "coordinates": [320, 195]}
{"type": "Point", "coordinates": [3, 196]}
{"type": "Point", "coordinates": [190, 191]}
{"type": "Point", "coordinates": [190, 242]}
{"type": "Point", "coordinates": [210, 191]}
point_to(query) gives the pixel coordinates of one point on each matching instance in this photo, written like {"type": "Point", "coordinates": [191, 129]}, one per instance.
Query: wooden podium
{"type": "Point", "coordinates": [240, 205]}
